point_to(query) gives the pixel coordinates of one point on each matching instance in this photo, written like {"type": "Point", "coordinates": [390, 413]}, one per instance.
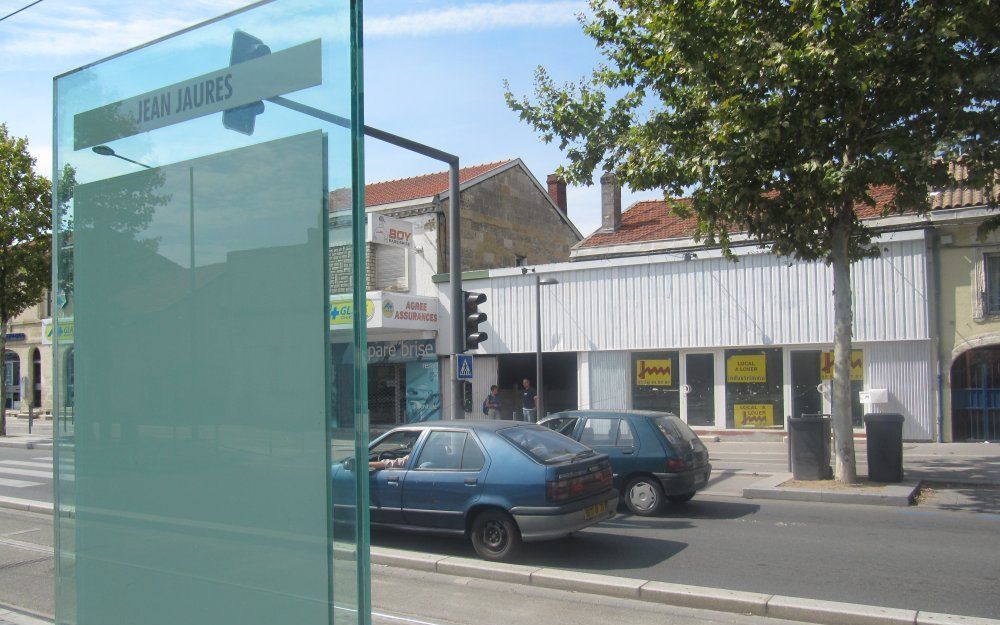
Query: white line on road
{"type": "Point", "coordinates": [44, 458]}
{"type": "Point", "coordinates": [23, 463]}
{"type": "Point", "coordinates": [18, 483]}
{"type": "Point", "coordinates": [26, 472]}
{"type": "Point", "coordinates": [20, 544]}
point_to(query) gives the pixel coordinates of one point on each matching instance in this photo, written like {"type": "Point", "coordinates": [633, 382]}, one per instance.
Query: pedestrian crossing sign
{"type": "Point", "coordinates": [463, 366]}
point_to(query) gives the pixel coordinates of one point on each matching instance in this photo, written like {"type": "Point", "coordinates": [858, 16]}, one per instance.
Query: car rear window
{"type": "Point", "coordinates": [677, 432]}
{"type": "Point", "coordinates": [542, 444]}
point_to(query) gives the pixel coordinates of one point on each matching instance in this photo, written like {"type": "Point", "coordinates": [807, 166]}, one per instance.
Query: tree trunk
{"type": "Point", "coordinates": [843, 314]}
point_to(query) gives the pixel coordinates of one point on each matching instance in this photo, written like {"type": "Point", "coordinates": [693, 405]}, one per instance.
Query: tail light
{"type": "Point", "coordinates": [676, 464]}
{"type": "Point", "coordinates": [577, 484]}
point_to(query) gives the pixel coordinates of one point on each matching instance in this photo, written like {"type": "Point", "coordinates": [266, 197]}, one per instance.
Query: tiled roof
{"type": "Point", "coordinates": [421, 186]}
{"type": "Point", "coordinates": [653, 220]}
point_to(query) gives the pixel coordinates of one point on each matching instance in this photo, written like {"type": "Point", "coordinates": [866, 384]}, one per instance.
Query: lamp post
{"type": "Point", "coordinates": [104, 150]}
{"type": "Point", "coordinates": [539, 281]}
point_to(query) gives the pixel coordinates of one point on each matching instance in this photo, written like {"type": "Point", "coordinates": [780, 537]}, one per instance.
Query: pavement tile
{"type": "Point", "coordinates": [405, 559]}
{"type": "Point", "coordinates": [497, 571]}
{"type": "Point", "coordinates": [836, 613]}
{"type": "Point", "coordinates": [934, 618]}
{"type": "Point", "coordinates": [588, 582]}
{"type": "Point", "coordinates": [704, 598]}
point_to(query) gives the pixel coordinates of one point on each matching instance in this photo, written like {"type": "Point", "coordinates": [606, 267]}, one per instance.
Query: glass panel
{"type": "Point", "coordinates": [198, 412]}
{"type": "Point", "coordinates": [754, 381]}
{"type": "Point", "coordinates": [625, 436]}
{"type": "Point", "coordinates": [599, 432]}
{"type": "Point", "coordinates": [473, 458]}
{"type": "Point", "coordinates": [806, 396]}
{"type": "Point", "coordinates": [700, 380]}
{"type": "Point", "coordinates": [992, 262]}
{"type": "Point", "coordinates": [543, 445]}
{"type": "Point", "coordinates": [443, 450]}
{"type": "Point", "coordinates": [656, 382]}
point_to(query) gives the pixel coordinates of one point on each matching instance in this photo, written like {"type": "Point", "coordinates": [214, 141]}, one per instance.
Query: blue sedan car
{"type": "Point", "coordinates": [655, 455]}
{"type": "Point", "coordinates": [498, 483]}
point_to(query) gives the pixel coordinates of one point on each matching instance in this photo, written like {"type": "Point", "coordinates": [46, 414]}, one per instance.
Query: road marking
{"type": "Point", "coordinates": [26, 472]}
{"type": "Point", "coordinates": [23, 463]}
{"type": "Point", "coordinates": [18, 483]}
{"type": "Point", "coordinates": [45, 458]}
{"type": "Point", "coordinates": [20, 544]}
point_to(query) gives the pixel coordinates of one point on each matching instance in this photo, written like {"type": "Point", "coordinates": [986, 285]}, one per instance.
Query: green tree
{"type": "Point", "coordinates": [782, 116]}
{"type": "Point", "coordinates": [25, 239]}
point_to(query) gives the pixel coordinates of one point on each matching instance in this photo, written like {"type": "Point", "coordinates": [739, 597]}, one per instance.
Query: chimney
{"type": "Point", "coordinates": [557, 191]}
{"type": "Point", "coordinates": [611, 203]}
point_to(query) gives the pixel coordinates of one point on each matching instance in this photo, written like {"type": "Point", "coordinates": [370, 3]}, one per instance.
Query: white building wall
{"type": "Point", "coordinates": [665, 301]}
{"type": "Point", "coordinates": [907, 371]}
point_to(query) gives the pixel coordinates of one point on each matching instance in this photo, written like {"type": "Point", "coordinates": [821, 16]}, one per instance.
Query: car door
{"type": "Point", "coordinates": [385, 485]}
{"type": "Point", "coordinates": [444, 480]}
{"type": "Point", "coordinates": [615, 437]}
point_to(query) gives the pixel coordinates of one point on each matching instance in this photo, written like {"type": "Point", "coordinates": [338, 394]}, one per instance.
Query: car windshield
{"type": "Point", "coordinates": [544, 445]}
{"type": "Point", "coordinates": [676, 431]}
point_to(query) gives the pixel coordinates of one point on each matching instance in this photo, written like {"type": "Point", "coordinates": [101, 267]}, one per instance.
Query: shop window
{"type": "Point", "coordinates": [991, 297]}
{"type": "Point", "coordinates": [806, 382]}
{"type": "Point", "coordinates": [700, 381]}
{"type": "Point", "coordinates": [36, 378]}
{"type": "Point", "coordinates": [655, 382]}
{"type": "Point", "coordinates": [754, 384]}
{"type": "Point", "coordinates": [12, 380]}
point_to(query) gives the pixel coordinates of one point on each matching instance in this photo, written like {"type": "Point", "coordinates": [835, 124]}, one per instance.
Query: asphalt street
{"type": "Point", "coordinates": [924, 559]}
{"type": "Point", "coordinates": [928, 557]}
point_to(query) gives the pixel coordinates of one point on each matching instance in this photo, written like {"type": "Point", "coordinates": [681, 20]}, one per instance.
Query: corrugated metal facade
{"type": "Point", "coordinates": [486, 376]}
{"type": "Point", "coordinates": [907, 370]}
{"type": "Point", "coordinates": [667, 302]}
{"type": "Point", "coordinates": [608, 380]}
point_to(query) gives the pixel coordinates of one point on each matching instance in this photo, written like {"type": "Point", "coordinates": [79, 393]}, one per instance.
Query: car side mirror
{"type": "Point", "coordinates": [349, 464]}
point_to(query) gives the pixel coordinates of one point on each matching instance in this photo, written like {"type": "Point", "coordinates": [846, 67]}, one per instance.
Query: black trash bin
{"type": "Point", "coordinates": [809, 447]}
{"type": "Point", "coordinates": [884, 433]}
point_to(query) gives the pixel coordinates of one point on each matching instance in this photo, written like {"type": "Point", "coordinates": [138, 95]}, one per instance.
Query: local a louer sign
{"type": "Point", "coordinates": [285, 71]}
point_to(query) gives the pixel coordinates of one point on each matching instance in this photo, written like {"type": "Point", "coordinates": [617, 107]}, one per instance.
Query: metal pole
{"type": "Point", "coordinates": [538, 347]}
{"type": "Point", "coordinates": [457, 305]}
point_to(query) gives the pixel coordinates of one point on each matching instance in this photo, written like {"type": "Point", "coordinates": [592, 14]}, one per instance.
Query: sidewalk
{"type": "Point", "coordinates": [949, 476]}
{"type": "Point", "coordinates": [18, 435]}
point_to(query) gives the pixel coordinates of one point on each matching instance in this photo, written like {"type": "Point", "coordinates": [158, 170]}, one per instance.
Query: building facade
{"type": "Point", "coordinates": [508, 219]}
{"type": "Point", "coordinates": [27, 362]}
{"type": "Point", "coordinates": [646, 318]}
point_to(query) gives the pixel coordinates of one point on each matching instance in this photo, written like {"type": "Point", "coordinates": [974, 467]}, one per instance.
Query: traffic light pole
{"type": "Point", "coordinates": [454, 227]}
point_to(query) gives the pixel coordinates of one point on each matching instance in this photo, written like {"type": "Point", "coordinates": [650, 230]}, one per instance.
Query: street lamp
{"type": "Point", "coordinates": [104, 150]}
{"type": "Point", "coordinates": [539, 281]}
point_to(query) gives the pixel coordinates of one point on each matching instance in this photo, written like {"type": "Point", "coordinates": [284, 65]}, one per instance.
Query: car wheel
{"type": "Point", "coordinates": [495, 536]}
{"type": "Point", "coordinates": [682, 498]}
{"type": "Point", "coordinates": [643, 496]}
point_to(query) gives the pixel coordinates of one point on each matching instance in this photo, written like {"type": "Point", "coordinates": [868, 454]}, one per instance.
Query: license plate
{"type": "Point", "coordinates": [594, 511]}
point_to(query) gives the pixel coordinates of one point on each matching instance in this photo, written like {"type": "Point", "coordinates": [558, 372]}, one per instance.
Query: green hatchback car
{"type": "Point", "coordinates": [655, 456]}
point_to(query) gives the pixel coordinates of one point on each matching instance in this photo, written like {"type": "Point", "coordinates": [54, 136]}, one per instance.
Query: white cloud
{"type": "Point", "coordinates": [476, 18]}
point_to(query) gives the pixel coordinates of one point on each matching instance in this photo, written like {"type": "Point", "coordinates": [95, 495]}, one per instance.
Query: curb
{"type": "Point", "coordinates": [899, 495]}
{"type": "Point", "coordinates": [680, 595]}
{"type": "Point", "coordinates": [26, 505]}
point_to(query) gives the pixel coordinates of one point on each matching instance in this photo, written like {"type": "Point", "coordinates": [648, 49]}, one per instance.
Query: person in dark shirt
{"type": "Point", "coordinates": [529, 397]}
{"type": "Point", "coordinates": [491, 405]}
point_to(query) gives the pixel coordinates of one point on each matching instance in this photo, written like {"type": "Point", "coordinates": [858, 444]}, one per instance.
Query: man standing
{"type": "Point", "coordinates": [491, 405]}
{"type": "Point", "coordinates": [529, 401]}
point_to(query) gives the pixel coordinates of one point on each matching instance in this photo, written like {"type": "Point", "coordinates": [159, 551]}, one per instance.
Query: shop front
{"type": "Point", "coordinates": [404, 379]}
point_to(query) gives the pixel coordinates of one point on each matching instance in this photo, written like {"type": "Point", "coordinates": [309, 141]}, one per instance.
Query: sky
{"type": "Point", "coordinates": [434, 72]}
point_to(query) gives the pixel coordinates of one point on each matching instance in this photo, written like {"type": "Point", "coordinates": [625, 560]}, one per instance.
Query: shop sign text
{"type": "Point", "coordinates": [753, 415]}
{"type": "Point", "coordinates": [654, 372]}
{"type": "Point", "coordinates": [857, 366]}
{"type": "Point", "coordinates": [747, 369]}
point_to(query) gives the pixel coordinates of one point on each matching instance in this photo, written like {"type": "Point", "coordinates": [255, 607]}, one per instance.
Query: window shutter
{"type": "Point", "coordinates": [390, 268]}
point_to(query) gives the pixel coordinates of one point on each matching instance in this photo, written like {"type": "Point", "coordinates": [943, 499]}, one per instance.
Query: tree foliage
{"type": "Point", "coordinates": [779, 113]}
{"type": "Point", "coordinates": [783, 116]}
{"type": "Point", "coordinates": [25, 235]}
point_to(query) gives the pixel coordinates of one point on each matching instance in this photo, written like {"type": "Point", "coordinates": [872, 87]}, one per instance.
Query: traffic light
{"type": "Point", "coordinates": [467, 396]}
{"type": "Point", "coordinates": [473, 337]}
{"type": "Point", "coordinates": [245, 48]}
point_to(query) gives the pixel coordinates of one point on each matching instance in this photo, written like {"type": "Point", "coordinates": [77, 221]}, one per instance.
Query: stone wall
{"type": "Point", "coordinates": [509, 216]}
{"type": "Point", "coordinates": [341, 268]}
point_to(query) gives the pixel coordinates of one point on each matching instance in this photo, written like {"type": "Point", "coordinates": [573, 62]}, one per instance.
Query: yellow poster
{"type": "Point", "coordinates": [753, 415]}
{"type": "Point", "coordinates": [857, 366]}
{"type": "Point", "coordinates": [342, 311]}
{"type": "Point", "coordinates": [747, 369]}
{"type": "Point", "coordinates": [654, 372]}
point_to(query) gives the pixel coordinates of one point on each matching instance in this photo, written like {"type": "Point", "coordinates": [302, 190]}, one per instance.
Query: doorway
{"type": "Point", "coordinates": [975, 395]}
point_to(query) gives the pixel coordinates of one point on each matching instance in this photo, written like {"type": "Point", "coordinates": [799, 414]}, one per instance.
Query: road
{"type": "Point", "coordinates": [399, 596]}
{"type": "Point", "coordinates": [925, 557]}
{"type": "Point", "coordinates": [26, 473]}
